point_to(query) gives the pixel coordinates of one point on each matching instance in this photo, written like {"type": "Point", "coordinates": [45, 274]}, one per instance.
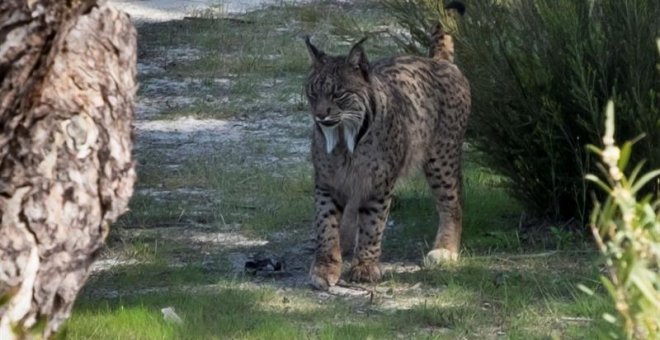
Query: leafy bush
{"type": "Point", "coordinates": [418, 17]}
{"type": "Point", "coordinates": [627, 232]}
{"type": "Point", "coordinates": [540, 72]}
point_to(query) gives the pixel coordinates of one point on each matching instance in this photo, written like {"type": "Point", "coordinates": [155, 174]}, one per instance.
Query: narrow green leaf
{"type": "Point", "coordinates": [648, 216]}
{"type": "Point", "coordinates": [638, 138]}
{"type": "Point", "coordinates": [585, 289]}
{"type": "Point", "coordinates": [609, 286]}
{"type": "Point", "coordinates": [624, 156]}
{"type": "Point", "coordinates": [594, 149]}
{"type": "Point", "coordinates": [609, 318]}
{"type": "Point", "coordinates": [645, 179]}
{"type": "Point", "coordinates": [598, 182]}
{"type": "Point", "coordinates": [645, 287]}
{"type": "Point", "coordinates": [635, 172]}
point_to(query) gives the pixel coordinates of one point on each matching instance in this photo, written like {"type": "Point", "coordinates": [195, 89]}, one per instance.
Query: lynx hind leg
{"type": "Point", "coordinates": [348, 231]}
{"type": "Point", "coordinates": [443, 173]}
{"type": "Point", "coordinates": [326, 268]}
{"type": "Point", "coordinates": [371, 219]}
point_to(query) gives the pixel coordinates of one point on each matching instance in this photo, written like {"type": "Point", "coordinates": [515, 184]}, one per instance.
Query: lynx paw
{"type": "Point", "coordinates": [439, 256]}
{"type": "Point", "coordinates": [324, 276]}
{"type": "Point", "coordinates": [366, 272]}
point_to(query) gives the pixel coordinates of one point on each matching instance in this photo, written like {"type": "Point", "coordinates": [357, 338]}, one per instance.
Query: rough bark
{"type": "Point", "coordinates": [67, 83]}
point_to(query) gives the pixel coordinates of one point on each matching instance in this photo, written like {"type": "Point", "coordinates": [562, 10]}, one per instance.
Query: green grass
{"type": "Point", "coordinates": [263, 54]}
{"type": "Point", "coordinates": [467, 300]}
{"type": "Point", "coordinates": [237, 192]}
{"type": "Point", "coordinates": [494, 288]}
{"type": "Point", "coordinates": [225, 312]}
{"type": "Point", "coordinates": [508, 284]}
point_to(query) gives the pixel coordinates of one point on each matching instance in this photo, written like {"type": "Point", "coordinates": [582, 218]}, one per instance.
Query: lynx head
{"type": "Point", "coordinates": [338, 89]}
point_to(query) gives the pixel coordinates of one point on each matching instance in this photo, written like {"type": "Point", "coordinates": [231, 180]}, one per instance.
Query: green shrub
{"type": "Point", "coordinates": [540, 72]}
{"type": "Point", "coordinates": [627, 232]}
{"type": "Point", "coordinates": [417, 18]}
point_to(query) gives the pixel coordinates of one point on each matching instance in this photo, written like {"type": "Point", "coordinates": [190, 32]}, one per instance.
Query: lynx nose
{"type": "Point", "coordinates": [325, 117]}
{"type": "Point", "coordinates": [323, 114]}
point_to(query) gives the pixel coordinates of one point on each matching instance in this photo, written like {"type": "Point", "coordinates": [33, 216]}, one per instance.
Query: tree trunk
{"type": "Point", "coordinates": [67, 83]}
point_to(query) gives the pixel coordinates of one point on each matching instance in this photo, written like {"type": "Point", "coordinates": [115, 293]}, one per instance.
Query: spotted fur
{"type": "Point", "coordinates": [374, 122]}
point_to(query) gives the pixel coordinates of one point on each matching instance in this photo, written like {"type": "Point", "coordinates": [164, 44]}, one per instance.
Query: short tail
{"type": "Point", "coordinates": [441, 42]}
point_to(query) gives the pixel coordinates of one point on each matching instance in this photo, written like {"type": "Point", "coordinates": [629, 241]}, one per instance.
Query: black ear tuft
{"type": "Point", "coordinates": [457, 6]}
{"type": "Point", "coordinates": [315, 55]}
{"type": "Point", "coordinates": [358, 59]}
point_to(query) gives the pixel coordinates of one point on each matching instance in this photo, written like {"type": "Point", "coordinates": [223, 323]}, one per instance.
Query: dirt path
{"type": "Point", "coordinates": [172, 144]}
{"type": "Point", "coordinates": [163, 10]}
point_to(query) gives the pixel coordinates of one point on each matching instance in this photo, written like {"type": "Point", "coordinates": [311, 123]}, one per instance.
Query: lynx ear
{"type": "Point", "coordinates": [315, 55]}
{"type": "Point", "coordinates": [358, 59]}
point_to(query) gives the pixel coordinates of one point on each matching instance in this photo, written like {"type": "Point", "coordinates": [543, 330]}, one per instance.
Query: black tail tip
{"type": "Point", "coordinates": [456, 5]}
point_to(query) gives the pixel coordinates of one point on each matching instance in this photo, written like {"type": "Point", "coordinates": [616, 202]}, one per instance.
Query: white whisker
{"type": "Point", "coordinates": [351, 121]}
{"type": "Point", "coordinates": [350, 134]}
{"type": "Point", "coordinates": [331, 134]}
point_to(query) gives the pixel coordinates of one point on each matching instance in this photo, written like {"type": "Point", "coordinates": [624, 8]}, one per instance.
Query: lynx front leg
{"type": "Point", "coordinates": [443, 173]}
{"type": "Point", "coordinates": [326, 267]}
{"type": "Point", "coordinates": [372, 216]}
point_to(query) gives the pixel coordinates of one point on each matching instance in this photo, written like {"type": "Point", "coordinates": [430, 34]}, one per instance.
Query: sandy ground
{"type": "Point", "coordinates": [163, 10]}
{"type": "Point", "coordinates": [177, 141]}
